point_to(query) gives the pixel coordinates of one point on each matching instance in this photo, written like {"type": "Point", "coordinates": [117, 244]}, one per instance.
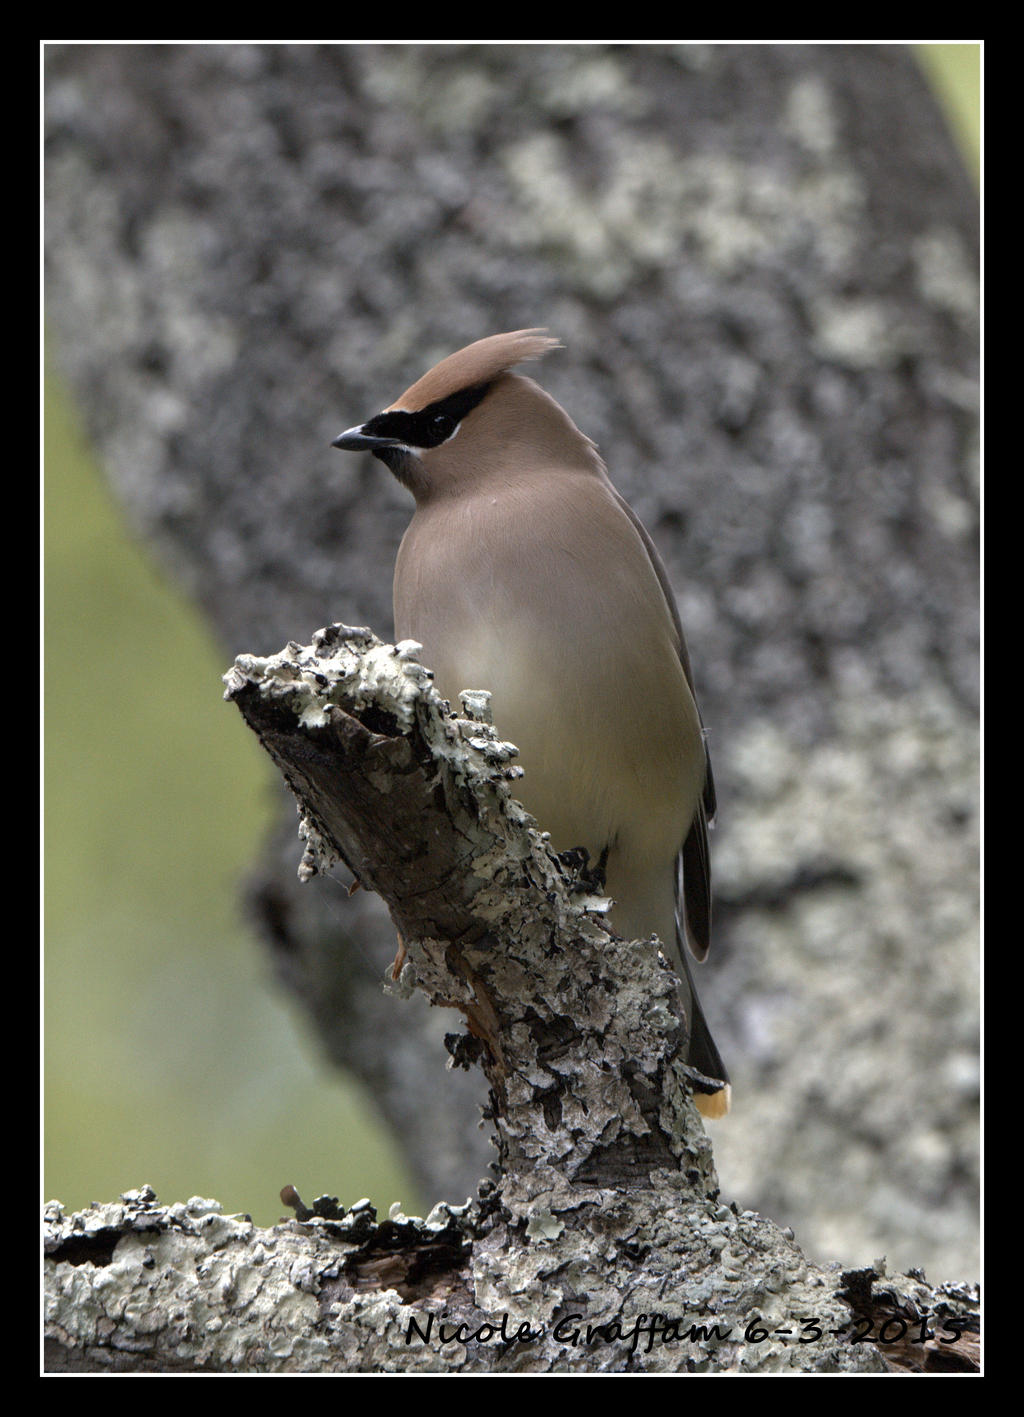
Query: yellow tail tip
{"type": "Point", "coordinates": [714, 1104]}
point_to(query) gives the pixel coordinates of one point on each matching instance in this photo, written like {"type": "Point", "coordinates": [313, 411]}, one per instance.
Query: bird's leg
{"type": "Point", "coordinates": [399, 960]}
{"type": "Point", "coordinates": [576, 864]}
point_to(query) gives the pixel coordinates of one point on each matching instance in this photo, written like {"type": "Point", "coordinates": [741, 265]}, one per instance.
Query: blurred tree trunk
{"type": "Point", "coordinates": [763, 263]}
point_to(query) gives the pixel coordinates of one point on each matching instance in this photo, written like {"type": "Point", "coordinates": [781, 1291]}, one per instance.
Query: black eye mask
{"type": "Point", "coordinates": [431, 426]}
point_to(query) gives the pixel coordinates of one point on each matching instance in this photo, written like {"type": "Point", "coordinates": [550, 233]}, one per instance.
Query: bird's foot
{"type": "Point", "coordinates": [584, 877]}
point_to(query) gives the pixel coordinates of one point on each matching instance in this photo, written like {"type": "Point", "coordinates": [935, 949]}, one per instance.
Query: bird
{"type": "Point", "coordinates": [524, 572]}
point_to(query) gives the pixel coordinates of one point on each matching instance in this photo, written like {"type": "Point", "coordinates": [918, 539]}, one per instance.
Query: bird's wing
{"type": "Point", "coordinates": [694, 857]}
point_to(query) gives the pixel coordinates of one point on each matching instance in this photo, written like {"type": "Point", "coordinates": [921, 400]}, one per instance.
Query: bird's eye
{"type": "Point", "coordinates": [442, 426]}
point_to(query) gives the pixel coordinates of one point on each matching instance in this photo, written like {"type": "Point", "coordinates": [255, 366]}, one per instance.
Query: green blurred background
{"type": "Point", "coordinates": [169, 1055]}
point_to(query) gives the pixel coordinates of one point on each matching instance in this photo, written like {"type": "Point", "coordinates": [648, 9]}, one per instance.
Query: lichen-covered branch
{"type": "Point", "coordinates": [579, 1033]}
{"type": "Point", "coordinates": [136, 1286]}
{"type": "Point", "coordinates": [603, 1245]}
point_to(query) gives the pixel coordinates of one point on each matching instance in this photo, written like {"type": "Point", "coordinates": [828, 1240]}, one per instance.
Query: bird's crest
{"type": "Point", "coordinates": [478, 363]}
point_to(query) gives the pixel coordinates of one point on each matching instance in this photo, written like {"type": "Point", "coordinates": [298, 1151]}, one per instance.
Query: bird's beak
{"type": "Point", "coordinates": [354, 440]}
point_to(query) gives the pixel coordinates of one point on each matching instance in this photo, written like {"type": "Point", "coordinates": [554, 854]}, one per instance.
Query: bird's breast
{"type": "Point", "coordinates": [560, 615]}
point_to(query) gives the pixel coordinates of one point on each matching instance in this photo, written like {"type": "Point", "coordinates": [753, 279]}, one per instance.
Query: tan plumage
{"type": "Point", "coordinates": [524, 572]}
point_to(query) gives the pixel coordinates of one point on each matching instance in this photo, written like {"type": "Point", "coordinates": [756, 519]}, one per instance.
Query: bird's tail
{"type": "Point", "coordinates": [702, 1055]}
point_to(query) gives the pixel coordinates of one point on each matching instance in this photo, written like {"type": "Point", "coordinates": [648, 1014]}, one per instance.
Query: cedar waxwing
{"type": "Point", "coordinates": [524, 572]}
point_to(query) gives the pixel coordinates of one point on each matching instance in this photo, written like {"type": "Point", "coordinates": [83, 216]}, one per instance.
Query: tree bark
{"type": "Point", "coordinates": [763, 263]}
{"type": "Point", "coordinates": [603, 1246]}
